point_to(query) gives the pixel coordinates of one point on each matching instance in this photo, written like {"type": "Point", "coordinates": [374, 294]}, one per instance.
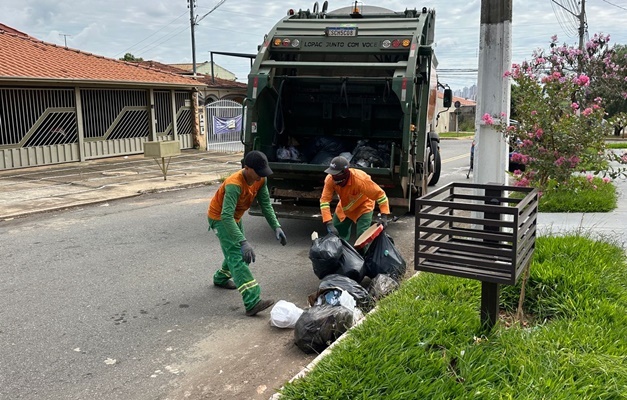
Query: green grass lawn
{"type": "Point", "coordinates": [581, 194]}
{"type": "Point", "coordinates": [616, 145]}
{"type": "Point", "coordinates": [425, 341]}
{"type": "Point", "coordinates": [456, 134]}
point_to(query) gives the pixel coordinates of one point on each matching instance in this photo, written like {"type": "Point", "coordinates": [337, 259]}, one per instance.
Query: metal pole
{"type": "Point", "coordinates": [490, 291]}
{"type": "Point", "coordinates": [493, 97]}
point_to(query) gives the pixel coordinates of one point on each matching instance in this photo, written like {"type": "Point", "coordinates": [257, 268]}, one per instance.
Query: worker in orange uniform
{"type": "Point", "coordinates": [358, 195]}
{"type": "Point", "coordinates": [234, 196]}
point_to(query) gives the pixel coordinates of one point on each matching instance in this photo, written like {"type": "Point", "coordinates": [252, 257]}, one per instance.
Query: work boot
{"type": "Point", "coordinates": [227, 285]}
{"type": "Point", "coordinates": [260, 306]}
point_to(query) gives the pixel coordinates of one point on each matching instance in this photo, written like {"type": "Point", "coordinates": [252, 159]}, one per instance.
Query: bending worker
{"type": "Point", "coordinates": [357, 193]}
{"type": "Point", "coordinates": [234, 196]}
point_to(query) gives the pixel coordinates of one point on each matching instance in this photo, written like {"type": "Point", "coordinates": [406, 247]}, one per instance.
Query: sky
{"type": "Point", "coordinates": [160, 29]}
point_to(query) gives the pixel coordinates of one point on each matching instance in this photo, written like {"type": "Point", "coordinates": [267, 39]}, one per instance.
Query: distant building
{"type": "Point", "coordinates": [469, 93]}
{"type": "Point", "coordinates": [456, 119]}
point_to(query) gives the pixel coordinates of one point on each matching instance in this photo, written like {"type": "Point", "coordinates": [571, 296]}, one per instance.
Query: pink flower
{"type": "Point", "coordinates": [534, 112]}
{"type": "Point", "coordinates": [589, 177]}
{"type": "Point", "coordinates": [487, 118]}
{"type": "Point", "coordinates": [507, 74]}
{"type": "Point", "coordinates": [574, 160]}
{"type": "Point", "coordinates": [517, 158]}
{"type": "Point", "coordinates": [587, 111]}
{"type": "Point", "coordinates": [523, 182]}
{"type": "Point", "coordinates": [559, 161]}
{"type": "Point", "coordinates": [582, 80]}
{"type": "Point", "coordinates": [606, 180]}
{"type": "Point", "coordinates": [574, 106]}
{"type": "Point", "coordinates": [539, 134]}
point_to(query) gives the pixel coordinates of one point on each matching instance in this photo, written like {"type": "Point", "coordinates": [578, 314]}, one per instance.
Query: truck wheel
{"type": "Point", "coordinates": [435, 164]}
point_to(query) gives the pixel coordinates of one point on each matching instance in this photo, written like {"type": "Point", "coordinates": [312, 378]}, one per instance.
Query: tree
{"type": "Point", "coordinates": [561, 126]}
{"type": "Point", "coordinates": [130, 57]}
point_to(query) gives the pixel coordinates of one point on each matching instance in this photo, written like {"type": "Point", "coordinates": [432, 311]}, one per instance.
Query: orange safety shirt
{"type": "Point", "coordinates": [245, 200]}
{"type": "Point", "coordinates": [357, 197]}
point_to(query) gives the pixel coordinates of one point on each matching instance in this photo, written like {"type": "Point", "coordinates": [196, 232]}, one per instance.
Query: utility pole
{"type": "Point", "coordinates": [493, 94]}
{"type": "Point", "coordinates": [191, 5]}
{"type": "Point", "coordinates": [582, 24]}
{"type": "Point", "coordinates": [493, 98]}
{"type": "Point", "coordinates": [581, 17]}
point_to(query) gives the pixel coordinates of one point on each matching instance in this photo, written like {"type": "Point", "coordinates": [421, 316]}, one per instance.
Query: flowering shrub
{"type": "Point", "coordinates": [560, 130]}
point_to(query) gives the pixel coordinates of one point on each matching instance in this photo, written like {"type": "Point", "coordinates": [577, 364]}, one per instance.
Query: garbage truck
{"type": "Point", "coordinates": [359, 81]}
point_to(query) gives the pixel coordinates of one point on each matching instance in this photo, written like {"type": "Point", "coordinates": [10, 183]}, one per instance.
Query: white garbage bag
{"type": "Point", "coordinates": [285, 314]}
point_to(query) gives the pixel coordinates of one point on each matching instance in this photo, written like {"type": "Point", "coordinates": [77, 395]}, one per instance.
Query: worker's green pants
{"type": "Point", "coordinates": [344, 228]}
{"type": "Point", "coordinates": [234, 266]}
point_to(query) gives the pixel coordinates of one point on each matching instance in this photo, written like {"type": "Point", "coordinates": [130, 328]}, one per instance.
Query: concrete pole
{"type": "Point", "coordinates": [493, 97]}
{"type": "Point", "coordinates": [582, 23]}
{"type": "Point", "coordinates": [192, 22]}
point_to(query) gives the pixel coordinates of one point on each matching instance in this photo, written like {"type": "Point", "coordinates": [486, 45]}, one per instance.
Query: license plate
{"type": "Point", "coordinates": [342, 31]}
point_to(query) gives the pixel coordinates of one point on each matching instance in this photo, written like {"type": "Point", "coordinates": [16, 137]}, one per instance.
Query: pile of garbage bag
{"type": "Point", "coordinates": [340, 301]}
{"type": "Point", "coordinates": [321, 150]}
{"type": "Point", "coordinates": [333, 255]}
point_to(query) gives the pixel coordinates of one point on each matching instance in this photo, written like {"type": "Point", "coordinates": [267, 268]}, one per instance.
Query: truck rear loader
{"type": "Point", "coordinates": [358, 81]}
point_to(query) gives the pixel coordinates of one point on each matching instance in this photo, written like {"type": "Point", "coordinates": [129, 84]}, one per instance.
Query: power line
{"type": "Point", "coordinates": [151, 35]}
{"type": "Point", "coordinates": [615, 5]}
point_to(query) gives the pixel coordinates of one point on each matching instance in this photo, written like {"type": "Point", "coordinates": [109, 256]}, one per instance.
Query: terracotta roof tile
{"type": "Point", "coordinates": [24, 57]}
{"type": "Point", "coordinates": [462, 101]}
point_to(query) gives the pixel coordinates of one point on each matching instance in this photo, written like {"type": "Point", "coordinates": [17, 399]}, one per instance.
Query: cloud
{"type": "Point", "coordinates": [160, 29]}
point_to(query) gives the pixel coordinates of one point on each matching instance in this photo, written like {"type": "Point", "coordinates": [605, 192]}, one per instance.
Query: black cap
{"type": "Point", "coordinates": [259, 162]}
{"type": "Point", "coordinates": [338, 164]}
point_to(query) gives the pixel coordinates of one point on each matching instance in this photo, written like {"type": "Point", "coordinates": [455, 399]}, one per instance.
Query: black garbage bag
{"type": "Point", "coordinates": [319, 326]}
{"type": "Point", "coordinates": [382, 257]}
{"type": "Point", "coordinates": [332, 145]}
{"type": "Point", "coordinates": [351, 264]}
{"type": "Point", "coordinates": [335, 281]}
{"type": "Point", "coordinates": [325, 254]}
{"type": "Point", "coordinates": [323, 158]}
{"type": "Point", "coordinates": [382, 285]}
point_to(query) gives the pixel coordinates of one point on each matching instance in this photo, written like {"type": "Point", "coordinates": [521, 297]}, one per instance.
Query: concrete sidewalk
{"type": "Point", "coordinates": [39, 189]}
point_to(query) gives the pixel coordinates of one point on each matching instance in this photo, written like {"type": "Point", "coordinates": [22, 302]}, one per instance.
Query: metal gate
{"type": "Point", "coordinates": [41, 126]}
{"type": "Point", "coordinates": [224, 126]}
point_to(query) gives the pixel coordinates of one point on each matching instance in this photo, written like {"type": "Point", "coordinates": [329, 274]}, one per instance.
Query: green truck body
{"type": "Point", "coordinates": [359, 81]}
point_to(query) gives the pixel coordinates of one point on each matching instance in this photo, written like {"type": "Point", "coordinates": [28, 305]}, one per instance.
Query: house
{"type": "Point", "coordinates": [459, 117]}
{"type": "Point", "coordinates": [59, 104]}
{"type": "Point", "coordinates": [215, 88]}
{"type": "Point", "coordinates": [205, 69]}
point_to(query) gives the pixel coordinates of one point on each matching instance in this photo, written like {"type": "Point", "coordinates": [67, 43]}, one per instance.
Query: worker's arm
{"type": "Point", "coordinates": [325, 199]}
{"type": "Point", "coordinates": [231, 196]}
{"type": "Point", "coordinates": [374, 192]}
{"type": "Point", "coordinates": [263, 198]}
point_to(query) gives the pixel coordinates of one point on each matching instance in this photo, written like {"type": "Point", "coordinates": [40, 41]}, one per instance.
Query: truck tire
{"type": "Point", "coordinates": [435, 162]}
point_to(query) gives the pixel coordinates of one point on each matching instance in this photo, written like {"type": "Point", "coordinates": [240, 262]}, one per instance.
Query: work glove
{"type": "Point", "coordinates": [247, 252]}
{"type": "Point", "coordinates": [332, 229]}
{"type": "Point", "coordinates": [384, 219]}
{"type": "Point", "coordinates": [280, 236]}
